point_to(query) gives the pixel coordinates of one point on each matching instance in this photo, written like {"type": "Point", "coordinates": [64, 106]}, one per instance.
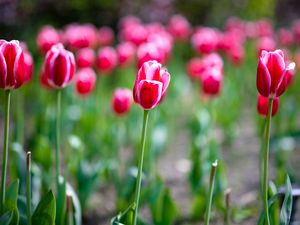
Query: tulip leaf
{"type": "Point", "coordinates": [124, 218]}
{"type": "Point", "coordinates": [11, 202]}
{"type": "Point", "coordinates": [286, 210]}
{"type": "Point", "coordinates": [6, 218]}
{"type": "Point", "coordinates": [61, 202]}
{"type": "Point", "coordinates": [45, 211]}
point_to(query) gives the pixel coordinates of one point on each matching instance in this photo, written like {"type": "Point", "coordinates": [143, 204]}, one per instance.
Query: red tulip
{"type": "Point", "coordinates": [85, 57]}
{"type": "Point", "coordinates": [85, 81]}
{"type": "Point", "coordinates": [13, 70]}
{"type": "Point", "coordinates": [121, 101]}
{"type": "Point", "coordinates": [150, 85]}
{"type": "Point", "coordinates": [107, 59]}
{"type": "Point", "coordinates": [179, 27]}
{"type": "Point", "coordinates": [211, 81]}
{"type": "Point", "coordinates": [272, 73]}
{"type": "Point", "coordinates": [105, 36]}
{"type": "Point", "coordinates": [59, 66]}
{"type": "Point", "coordinates": [47, 37]}
{"type": "Point", "coordinates": [126, 53]}
{"type": "Point", "coordinates": [205, 40]}
{"type": "Point", "coordinates": [263, 103]}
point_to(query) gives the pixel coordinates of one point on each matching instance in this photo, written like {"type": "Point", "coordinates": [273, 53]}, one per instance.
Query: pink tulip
{"type": "Point", "coordinates": [105, 36]}
{"type": "Point", "coordinates": [205, 40]}
{"type": "Point", "coordinates": [46, 38]}
{"type": "Point", "coordinates": [179, 27]}
{"type": "Point", "coordinates": [121, 101]}
{"type": "Point", "coordinates": [85, 57]}
{"type": "Point", "coordinates": [126, 53]}
{"type": "Point", "coordinates": [107, 59]}
{"type": "Point", "coordinates": [85, 81]}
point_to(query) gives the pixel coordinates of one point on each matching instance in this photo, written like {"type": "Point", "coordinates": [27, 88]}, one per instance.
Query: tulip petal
{"type": "Point", "coordinates": [149, 93]}
{"type": "Point", "coordinates": [3, 71]}
{"type": "Point", "coordinates": [263, 81]}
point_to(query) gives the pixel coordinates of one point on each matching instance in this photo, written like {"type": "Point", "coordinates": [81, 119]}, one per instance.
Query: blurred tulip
{"type": "Point", "coordinates": [135, 33]}
{"type": "Point", "coordinates": [47, 37]}
{"type": "Point", "coordinates": [205, 40]}
{"type": "Point", "coordinates": [107, 59]}
{"type": "Point", "coordinates": [121, 101]}
{"type": "Point", "coordinates": [272, 73]}
{"type": "Point", "coordinates": [59, 66]}
{"type": "Point", "coordinates": [264, 28]}
{"type": "Point", "coordinates": [285, 37]}
{"type": "Point", "coordinates": [105, 36]}
{"type": "Point", "coordinates": [28, 61]}
{"type": "Point", "coordinates": [262, 105]}
{"type": "Point", "coordinates": [150, 85]}
{"type": "Point", "coordinates": [80, 36]}
{"type": "Point", "coordinates": [126, 53]}
{"type": "Point", "coordinates": [195, 68]}
{"type": "Point", "coordinates": [85, 81]}
{"type": "Point", "coordinates": [179, 27]}
{"type": "Point", "coordinates": [13, 68]}
{"type": "Point", "coordinates": [296, 30]}
{"type": "Point", "coordinates": [236, 54]}
{"type": "Point", "coordinates": [147, 52]}
{"type": "Point", "coordinates": [85, 57]}
{"type": "Point", "coordinates": [211, 81]}
{"type": "Point", "coordinates": [265, 43]}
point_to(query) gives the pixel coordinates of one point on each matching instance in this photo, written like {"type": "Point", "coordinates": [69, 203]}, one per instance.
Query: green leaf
{"type": "Point", "coordinates": [6, 218]}
{"type": "Point", "coordinates": [11, 201]}
{"type": "Point", "coordinates": [22, 208]}
{"type": "Point", "coordinates": [45, 211]}
{"type": "Point", "coordinates": [61, 202]}
{"type": "Point", "coordinates": [124, 218]}
{"type": "Point", "coordinates": [286, 210]}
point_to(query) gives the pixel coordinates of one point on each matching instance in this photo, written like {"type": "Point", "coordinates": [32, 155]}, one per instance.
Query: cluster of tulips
{"type": "Point", "coordinates": [80, 51]}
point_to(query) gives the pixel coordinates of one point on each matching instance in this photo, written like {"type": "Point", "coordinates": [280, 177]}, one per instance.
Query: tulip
{"type": "Point", "coordinates": [296, 30]}
{"type": "Point", "coordinates": [126, 53]}
{"type": "Point", "coordinates": [46, 38]}
{"type": "Point", "coordinates": [13, 74]}
{"type": "Point", "coordinates": [59, 66]}
{"type": "Point", "coordinates": [105, 36]}
{"type": "Point", "coordinates": [236, 54]}
{"type": "Point", "coordinates": [285, 37]}
{"type": "Point", "coordinates": [205, 40]}
{"type": "Point", "coordinates": [264, 28]}
{"type": "Point", "coordinates": [179, 27]}
{"type": "Point", "coordinates": [271, 73]}
{"type": "Point", "coordinates": [107, 59]}
{"type": "Point", "coordinates": [262, 105]}
{"type": "Point", "coordinates": [147, 52]}
{"type": "Point", "coordinates": [121, 101]}
{"type": "Point", "coordinates": [149, 90]}
{"type": "Point", "coordinates": [265, 43]}
{"type": "Point", "coordinates": [195, 68]}
{"type": "Point", "coordinates": [150, 85]}
{"type": "Point", "coordinates": [211, 81]}
{"type": "Point", "coordinates": [85, 57]}
{"type": "Point", "coordinates": [85, 81]}
{"type": "Point", "coordinates": [28, 61]}
{"type": "Point", "coordinates": [135, 33]}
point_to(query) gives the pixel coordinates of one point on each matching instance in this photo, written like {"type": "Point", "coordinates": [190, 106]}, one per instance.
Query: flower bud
{"type": "Point", "coordinates": [46, 38]}
{"type": "Point", "coordinates": [107, 59]}
{"type": "Point", "coordinates": [121, 101]}
{"type": "Point", "coordinates": [85, 81]}
{"type": "Point", "coordinates": [85, 57]}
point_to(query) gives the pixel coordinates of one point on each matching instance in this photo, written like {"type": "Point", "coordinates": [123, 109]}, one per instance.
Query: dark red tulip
{"type": "Point", "coordinates": [59, 66]}
{"type": "Point", "coordinates": [85, 57]}
{"type": "Point", "coordinates": [263, 103]}
{"type": "Point", "coordinates": [151, 85]}
{"type": "Point", "coordinates": [107, 59]}
{"type": "Point", "coordinates": [85, 81]}
{"type": "Point", "coordinates": [272, 73]}
{"type": "Point", "coordinates": [121, 101]}
{"type": "Point", "coordinates": [105, 36]}
{"type": "Point", "coordinates": [13, 69]}
{"type": "Point", "coordinates": [46, 38]}
{"type": "Point", "coordinates": [211, 81]}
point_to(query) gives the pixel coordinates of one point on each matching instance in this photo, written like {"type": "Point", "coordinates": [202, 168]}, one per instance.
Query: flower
{"type": "Point", "coordinates": [265, 43]}
{"type": "Point", "coordinates": [211, 81]}
{"type": "Point", "coordinates": [272, 73]}
{"type": "Point", "coordinates": [121, 101]}
{"type": "Point", "coordinates": [13, 69]}
{"type": "Point", "coordinates": [151, 85]}
{"type": "Point", "coordinates": [85, 57]}
{"type": "Point", "coordinates": [105, 36]}
{"type": "Point", "coordinates": [179, 27]}
{"type": "Point", "coordinates": [126, 53]}
{"type": "Point", "coordinates": [59, 66]}
{"type": "Point", "coordinates": [47, 37]}
{"type": "Point", "coordinates": [263, 103]}
{"type": "Point", "coordinates": [85, 81]}
{"type": "Point", "coordinates": [107, 59]}
{"type": "Point", "coordinates": [205, 40]}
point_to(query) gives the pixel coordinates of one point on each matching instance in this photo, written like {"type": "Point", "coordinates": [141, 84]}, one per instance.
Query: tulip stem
{"type": "Point", "coordinates": [58, 121]}
{"type": "Point", "coordinates": [140, 166]}
{"type": "Point", "coordinates": [5, 147]}
{"type": "Point", "coordinates": [211, 191]}
{"type": "Point", "coordinates": [28, 187]}
{"type": "Point", "coordinates": [266, 161]}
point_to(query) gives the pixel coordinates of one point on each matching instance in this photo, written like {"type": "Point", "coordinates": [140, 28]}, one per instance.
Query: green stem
{"type": "Point", "coordinates": [57, 147]}
{"type": "Point", "coordinates": [140, 166]}
{"type": "Point", "coordinates": [211, 191]}
{"type": "Point", "coordinates": [266, 161]}
{"type": "Point", "coordinates": [28, 187]}
{"type": "Point", "coordinates": [5, 147]}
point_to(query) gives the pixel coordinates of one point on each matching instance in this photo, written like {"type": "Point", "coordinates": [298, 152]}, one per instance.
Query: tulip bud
{"type": "Point", "coordinates": [150, 85]}
{"type": "Point", "coordinates": [211, 81]}
{"type": "Point", "coordinates": [85, 57]}
{"type": "Point", "coordinates": [272, 73]}
{"type": "Point", "coordinates": [121, 101]}
{"type": "Point", "coordinates": [105, 36]}
{"type": "Point", "coordinates": [263, 104]}
{"type": "Point", "coordinates": [13, 70]}
{"type": "Point", "coordinates": [107, 59]}
{"type": "Point", "coordinates": [85, 81]}
{"type": "Point", "coordinates": [59, 66]}
{"type": "Point", "coordinates": [46, 38]}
